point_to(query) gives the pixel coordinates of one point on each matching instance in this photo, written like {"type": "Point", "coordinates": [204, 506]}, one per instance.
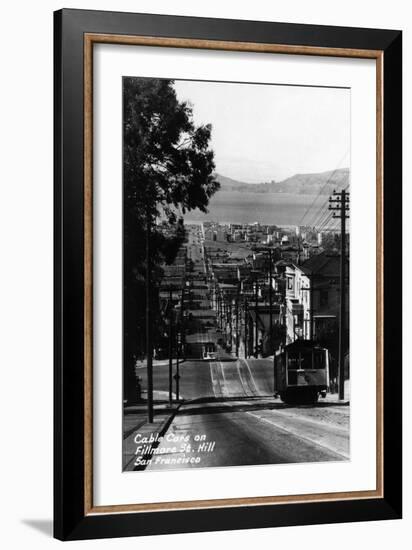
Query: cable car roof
{"type": "Point", "coordinates": [303, 344]}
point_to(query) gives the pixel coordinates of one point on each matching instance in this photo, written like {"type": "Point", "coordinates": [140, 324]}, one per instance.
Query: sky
{"type": "Point", "coordinates": [269, 132]}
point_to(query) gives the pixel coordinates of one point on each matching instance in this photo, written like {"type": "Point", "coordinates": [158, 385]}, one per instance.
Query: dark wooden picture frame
{"type": "Point", "coordinates": [75, 516]}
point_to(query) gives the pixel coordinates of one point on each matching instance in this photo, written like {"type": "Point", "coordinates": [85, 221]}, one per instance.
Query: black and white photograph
{"type": "Point", "coordinates": [236, 274]}
{"type": "Point", "coordinates": [204, 288]}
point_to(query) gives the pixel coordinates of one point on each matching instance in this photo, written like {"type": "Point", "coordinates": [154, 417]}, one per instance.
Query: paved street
{"type": "Point", "coordinates": [257, 431]}
{"type": "Point", "coordinates": [232, 408]}
{"type": "Point", "coordinates": [216, 379]}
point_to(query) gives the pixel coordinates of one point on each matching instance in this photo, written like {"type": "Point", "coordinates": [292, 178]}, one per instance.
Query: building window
{"type": "Point", "coordinates": [290, 283]}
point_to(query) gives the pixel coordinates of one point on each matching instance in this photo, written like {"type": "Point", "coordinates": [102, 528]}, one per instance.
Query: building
{"type": "Point", "coordinates": [323, 271]}
{"type": "Point", "coordinates": [292, 285]}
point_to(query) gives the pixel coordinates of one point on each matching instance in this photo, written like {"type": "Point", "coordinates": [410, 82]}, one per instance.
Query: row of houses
{"type": "Point", "coordinates": [260, 309]}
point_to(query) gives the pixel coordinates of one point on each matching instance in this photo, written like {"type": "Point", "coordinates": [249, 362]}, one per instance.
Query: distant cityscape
{"type": "Point", "coordinates": [295, 243]}
{"type": "Point", "coordinates": [253, 287]}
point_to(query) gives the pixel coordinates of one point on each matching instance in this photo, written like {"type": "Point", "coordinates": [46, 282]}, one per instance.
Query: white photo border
{"type": "Point", "coordinates": [110, 485]}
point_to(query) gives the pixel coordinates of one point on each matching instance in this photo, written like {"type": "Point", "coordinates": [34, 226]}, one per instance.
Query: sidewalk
{"type": "Point", "coordinates": [334, 397]}
{"type": "Point", "coordinates": [156, 363]}
{"type": "Point", "coordinates": [135, 423]}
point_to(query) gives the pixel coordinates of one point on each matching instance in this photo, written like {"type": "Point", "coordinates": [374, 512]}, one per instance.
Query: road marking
{"type": "Point", "coordinates": [250, 391]}
{"type": "Point", "coordinates": [216, 384]}
{"type": "Point", "coordinates": [212, 378]}
{"type": "Point", "coordinates": [225, 392]}
{"type": "Point", "coordinates": [251, 377]}
{"type": "Point", "coordinates": [240, 378]}
{"type": "Point", "coordinates": [335, 427]}
{"type": "Point", "coordinates": [297, 434]}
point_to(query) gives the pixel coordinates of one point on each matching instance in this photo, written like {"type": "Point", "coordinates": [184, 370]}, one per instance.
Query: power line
{"type": "Point", "coordinates": [325, 225]}
{"type": "Point", "coordinates": [319, 215]}
{"type": "Point", "coordinates": [323, 215]}
{"type": "Point", "coordinates": [323, 188]}
{"type": "Point", "coordinates": [322, 221]}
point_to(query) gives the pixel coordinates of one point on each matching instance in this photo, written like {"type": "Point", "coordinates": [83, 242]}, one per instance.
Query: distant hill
{"type": "Point", "coordinates": [299, 184]}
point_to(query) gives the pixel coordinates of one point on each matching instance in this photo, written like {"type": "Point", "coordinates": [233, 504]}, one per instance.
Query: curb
{"type": "Point", "coordinates": [162, 431]}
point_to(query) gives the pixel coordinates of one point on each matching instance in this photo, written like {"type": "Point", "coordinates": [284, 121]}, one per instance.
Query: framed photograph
{"type": "Point", "coordinates": [227, 274]}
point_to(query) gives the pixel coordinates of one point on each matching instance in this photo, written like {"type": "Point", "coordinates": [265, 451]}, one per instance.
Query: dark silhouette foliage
{"type": "Point", "coordinates": [167, 171]}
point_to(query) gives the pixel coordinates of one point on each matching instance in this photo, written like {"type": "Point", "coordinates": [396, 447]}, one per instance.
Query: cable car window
{"type": "Point", "coordinates": [306, 360]}
{"type": "Point", "coordinates": [293, 361]}
{"type": "Point", "coordinates": [318, 359]}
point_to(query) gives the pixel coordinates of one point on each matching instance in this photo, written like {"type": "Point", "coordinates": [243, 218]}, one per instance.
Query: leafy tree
{"type": "Point", "coordinates": [168, 170]}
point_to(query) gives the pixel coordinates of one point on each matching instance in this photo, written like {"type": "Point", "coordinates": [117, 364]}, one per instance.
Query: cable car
{"type": "Point", "coordinates": [209, 352]}
{"type": "Point", "coordinates": [301, 372]}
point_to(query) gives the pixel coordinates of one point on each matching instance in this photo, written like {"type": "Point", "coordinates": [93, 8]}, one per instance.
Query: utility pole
{"type": "Point", "coordinates": [246, 329]}
{"type": "Point", "coordinates": [312, 306]}
{"type": "Point", "coordinates": [224, 317]}
{"type": "Point", "coordinates": [217, 305]}
{"type": "Point", "coordinates": [340, 204]}
{"type": "Point", "coordinates": [230, 325]}
{"type": "Point", "coordinates": [170, 346]}
{"type": "Point", "coordinates": [177, 375]}
{"type": "Point", "coordinates": [256, 350]}
{"type": "Point", "coordinates": [256, 319]}
{"type": "Point", "coordinates": [149, 345]}
{"type": "Point", "coordinates": [270, 300]}
{"type": "Point", "coordinates": [237, 319]}
{"type": "Point", "coordinates": [220, 311]}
